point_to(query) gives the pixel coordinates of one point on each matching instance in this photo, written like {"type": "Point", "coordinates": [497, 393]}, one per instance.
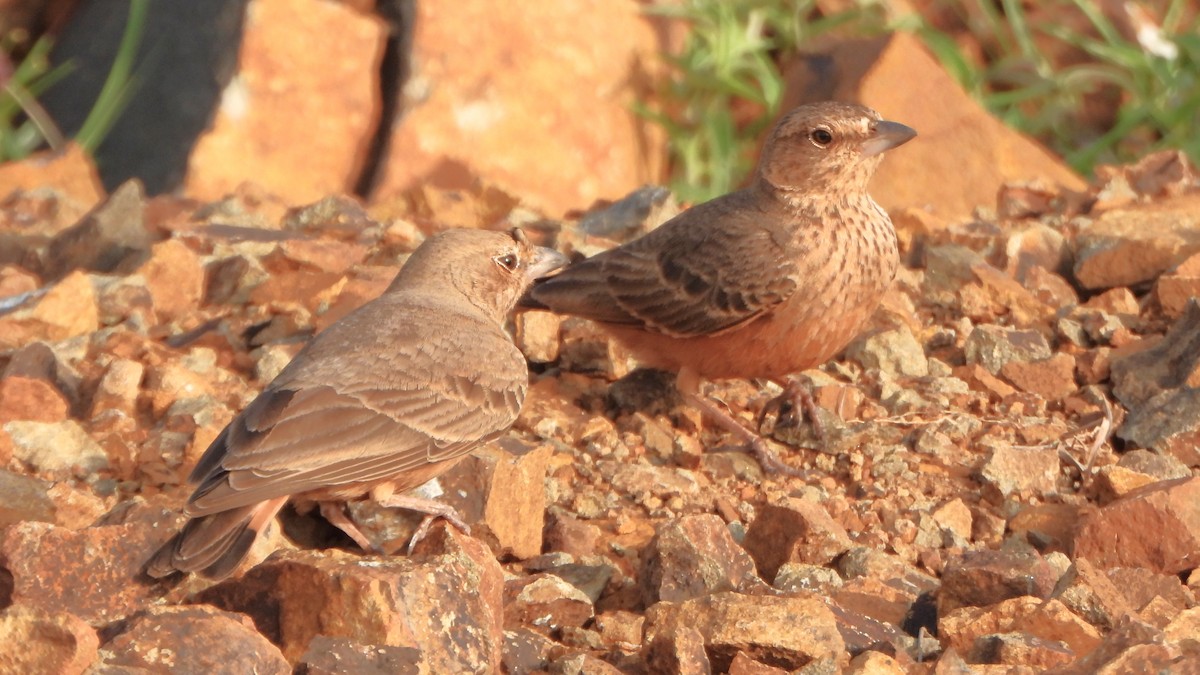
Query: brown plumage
{"type": "Point", "coordinates": [763, 282]}
{"type": "Point", "coordinates": [383, 400]}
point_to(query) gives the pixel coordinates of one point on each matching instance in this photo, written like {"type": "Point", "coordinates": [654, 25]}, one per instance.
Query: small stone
{"type": "Point", "coordinates": [112, 238]}
{"type": "Point", "coordinates": [194, 638]}
{"type": "Point", "coordinates": [1014, 470]}
{"type": "Point", "coordinates": [537, 335]}
{"type": "Point", "coordinates": [955, 517]}
{"type": "Point", "coordinates": [794, 530]}
{"type": "Point", "coordinates": [38, 641]}
{"type": "Point", "coordinates": [1117, 535]}
{"type": "Point", "coordinates": [993, 346]}
{"type": "Point", "coordinates": [94, 573]}
{"type": "Point", "coordinates": [342, 656]}
{"type": "Point", "coordinates": [793, 577]}
{"type": "Point", "coordinates": [1175, 288]}
{"type": "Point", "coordinates": [545, 601]}
{"type": "Point", "coordinates": [1020, 649]}
{"type": "Point", "coordinates": [874, 663]}
{"type": "Point", "coordinates": [499, 489]}
{"type": "Point", "coordinates": [66, 309]}
{"type": "Point", "coordinates": [621, 629]}
{"type": "Point", "coordinates": [24, 498]}
{"type": "Point", "coordinates": [174, 278]}
{"type": "Point", "coordinates": [119, 387]}
{"type": "Point", "coordinates": [445, 601]}
{"type": "Point", "coordinates": [1093, 596]}
{"type": "Point", "coordinates": [59, 449]}
{"type": "Point", "coordinates": [744, 665]}
{"type": "Point", "coordinates": [1045, 620]}
{"type": "Point", "coordinates": [895, 352]}
{"type": "Point", "coordinates": [31, 399]}
{"type": "Point", "coordinates": [1128, 246]}
{"type": "Point", "coordinates": [984, 578]}
{"type": "Point", "coordinates": [1053, 379]}
{"type": "Point", "coordinates": [786, 632]}
{"type": "Point", "coordinates": [695, 556]}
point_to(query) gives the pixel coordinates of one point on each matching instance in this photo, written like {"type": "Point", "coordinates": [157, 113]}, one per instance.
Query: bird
{"type": "Point", "coordinates": [383, 400]}
{"type": "Point", "coordinates": [763, 282]}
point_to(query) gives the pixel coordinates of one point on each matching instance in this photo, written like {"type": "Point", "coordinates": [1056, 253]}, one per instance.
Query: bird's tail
{"type": "Point", "coordinates": [214, 544]}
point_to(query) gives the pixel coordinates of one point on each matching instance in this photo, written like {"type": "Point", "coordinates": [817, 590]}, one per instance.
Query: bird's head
{"type": "Point", "coordinates": [490, 269]}
{"type": "Point", "coordinates": [828, 147]}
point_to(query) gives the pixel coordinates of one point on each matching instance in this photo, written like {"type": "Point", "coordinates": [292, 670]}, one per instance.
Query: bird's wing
{"type": "Point", "coordinates": [708, 270]}
{"type": "Point", "coordinates": [300, 436]}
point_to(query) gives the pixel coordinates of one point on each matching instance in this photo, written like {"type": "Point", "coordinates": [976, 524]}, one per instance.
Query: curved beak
{"type": "Point", "coordinates": [887, 136]}
{"type": "Point", "coordinates": [545, 261]}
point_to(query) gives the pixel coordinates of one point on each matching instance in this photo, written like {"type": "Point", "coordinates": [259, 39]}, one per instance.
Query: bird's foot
{"type": "Point", "coordinates": [431, 508]}
{"type": "Point", "coordinates": [335, 513]}
{"type": "Point", "coordinates": [792, 406]}
{"type": "Point", "coordinates": [770, 462]}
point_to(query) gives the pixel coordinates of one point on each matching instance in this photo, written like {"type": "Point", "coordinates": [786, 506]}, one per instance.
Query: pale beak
{"type": "Point", "coordinates": [887, 136]}
{"type": "Point", "coordinates": [547, 260]}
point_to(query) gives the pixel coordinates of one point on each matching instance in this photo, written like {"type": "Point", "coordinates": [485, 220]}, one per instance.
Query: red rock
{"type": "Point", "coordinates": [794, 530]}
{"type": "Point", "coordinates": [196, 638]}
{"type": "Point", "coordinates": [1020, 649]}
{"type": "Point", "coordinates": [1128, 246]}
{"type": "Point", "coordinates": [983, 578]}
{"type": "Point", "coordinates": [37, 641]}
{"type": "Point", "coordinates": [296, 119]}
{"type": "Point", "coordinates": [491, 99]}
{"type": "Point", "coordinates": [874, 663]}
{"type": "Point", "coordinates": [24, 498]}
{"type": "Point", "coordinates": [1175, 288]}
{"type": "Point", "coordinates": [119, 387]}
{"type": "Point", "coordinates": [1047, 620]}
{"type": "Point", "coordinates": [1031, 471]}
{"type": "Point", "coordinates": [1156, 528]}
{"type": "Point", "coordinates": [175, 279]}
{"type": "Point", "coordinates": [897, 76]}
{"type": "Point", "coordinates": [546, 601]}
{"type": "Point", "coordinates": [446, 601]}
{"type": "Point", "coordinates": [93, 573]}
{"type": "Point", "coordinates": [788, 632]}
{"type": "Point", "coordinates": [537, 335]}
{"type": "Point", "coordinates": [34, 400]}
{"type": "Point", "coordinates": [16, 281]}
{"type": "Point", "coordinates": [67, 309]}
{"type": "Point", "coordinates": [70, 171]}
{"type": "Point", "coordinates": [1053, 379]}
{"type": "Point", "coordinates": [340, 656]}
{"type": "Point", "coordinates": [111, 237]}
{"type": "Point", "coordinates": [744, 665]}
{"type": "Point", "coordinates": [695, 556]}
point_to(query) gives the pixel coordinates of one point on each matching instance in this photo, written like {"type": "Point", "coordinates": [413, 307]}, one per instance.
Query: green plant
{"type": "Point", "coordinates": [1109, 99]}
{"type": "Point", "coordinates": [1153, 93]}
{"type": "Point", "coordinates": [726, 85]}
{"type": "Point", "coordinates": [25, 125]}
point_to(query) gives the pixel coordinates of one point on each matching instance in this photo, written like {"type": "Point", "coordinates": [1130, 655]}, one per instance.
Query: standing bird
{"type": "Point", "coordinates": [378, 403]}
{"type": "Point", "coordinates": [760, 283]}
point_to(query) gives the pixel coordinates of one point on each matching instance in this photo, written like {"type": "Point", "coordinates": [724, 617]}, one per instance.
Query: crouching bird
{"type": "Point", "coordinates": [378, 403]}
{"type": "Point", "coordinates": [763, 282]}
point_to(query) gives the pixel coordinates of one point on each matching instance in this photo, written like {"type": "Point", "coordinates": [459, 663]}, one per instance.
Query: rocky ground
{"type": "Point", "coordinates": [1006, 484]}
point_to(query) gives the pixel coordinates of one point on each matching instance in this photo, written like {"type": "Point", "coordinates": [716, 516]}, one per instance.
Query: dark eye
{"type": "Point", "coordinates": [821, 137]}
{"type": "Point", "coordinates": [508, 261]}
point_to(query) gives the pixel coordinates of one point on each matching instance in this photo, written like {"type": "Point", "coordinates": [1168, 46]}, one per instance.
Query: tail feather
{"type": "Point", "coordinates": [215, 544]}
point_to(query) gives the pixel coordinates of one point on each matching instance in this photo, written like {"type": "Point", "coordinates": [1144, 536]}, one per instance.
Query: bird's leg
{"type": "Point", "coordinates": [689, 384]}
{"type": "Point", "coordinates": [432, 509]}
{"type": "Point", "coordinates": [796, 396]}
{"type": "Point", "coordinates": [336, 515]}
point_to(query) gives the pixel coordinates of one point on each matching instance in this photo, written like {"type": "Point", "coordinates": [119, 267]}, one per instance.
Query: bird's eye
{"type": "Point", "coordinates": [821, 136]}
{"type": "Point", "coordinates": [508, 261]}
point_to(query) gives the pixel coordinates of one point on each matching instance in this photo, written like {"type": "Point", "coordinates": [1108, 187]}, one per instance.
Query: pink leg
{"type": "Point", "coordinates": [431, 508]}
